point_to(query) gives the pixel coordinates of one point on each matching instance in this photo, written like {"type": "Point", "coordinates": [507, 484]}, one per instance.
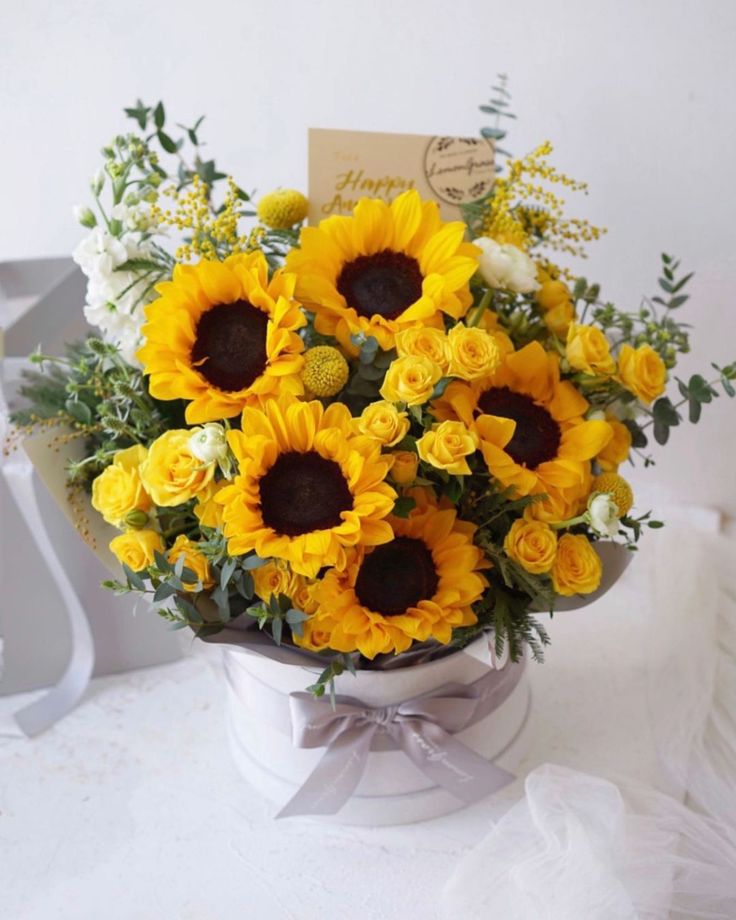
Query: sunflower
{"type": "Point", "coordinates": [530, 425]}
{"type": "Point", "coordinates": [307, 488]}
{"type": "Point", "coordinates": [421, 585]}
{"type": "Point", "coordinates": [384, 269]}
{"type": "Point", "coordinates": [221, 336]}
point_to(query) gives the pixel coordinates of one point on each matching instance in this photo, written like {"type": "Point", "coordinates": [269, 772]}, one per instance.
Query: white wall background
{"type": "Point", "coordinates": [638, 96]}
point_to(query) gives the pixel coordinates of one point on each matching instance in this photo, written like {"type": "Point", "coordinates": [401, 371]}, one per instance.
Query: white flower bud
{"type": "Point", "coordinates": [208, 443]}
{"type": "Point", "coordinates": [85, 216]}
{"type": "Point", "coordinates": [506, 267]}
{"type": "Point", "coordinates": [603, 514]}
{"type": "Point", "coordinates": [97, 181]}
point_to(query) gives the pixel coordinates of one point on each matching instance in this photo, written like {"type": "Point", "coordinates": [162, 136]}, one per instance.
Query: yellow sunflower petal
{"type": "Point", "coordinates": [585, 440]}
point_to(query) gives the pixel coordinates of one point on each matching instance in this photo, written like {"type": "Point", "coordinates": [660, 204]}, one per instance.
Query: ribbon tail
{"type": "Point", "coordinates": [62, 698]}
{"type": "Point", "coordinates": [335, 778]}
{"type": "Point", "coordinates": [450, 763]}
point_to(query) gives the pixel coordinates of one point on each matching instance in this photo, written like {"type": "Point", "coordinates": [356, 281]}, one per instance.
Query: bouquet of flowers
{"type": "Point", "coordinates": [377, 436]}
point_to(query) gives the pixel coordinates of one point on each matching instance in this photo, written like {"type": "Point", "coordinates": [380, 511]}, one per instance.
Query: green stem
{"type": "Point", "coordinates": [563, 525]}
{"type": "Point", "coordinates": [682, 402]}
{"type": "Point", "coordinates": [475, 316]}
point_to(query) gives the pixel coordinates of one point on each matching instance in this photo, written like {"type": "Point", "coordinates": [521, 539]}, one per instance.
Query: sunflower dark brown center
{"type": "Point", "coordinates": [537, 436]}
{"type": "Point", "coordinates": [230, 345]}
{"type": "Point", "coordinates": [396, 576]}
{"type": "Point", "coordinates": [385, 283]}
{"type": "Point", "coordinates": [302, 493]}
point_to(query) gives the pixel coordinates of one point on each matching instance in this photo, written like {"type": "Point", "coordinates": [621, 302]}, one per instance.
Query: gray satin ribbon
{"type": "Point", "coordinates": [423, 728]}
{"type": "Point", "coordinates": [62, 698]}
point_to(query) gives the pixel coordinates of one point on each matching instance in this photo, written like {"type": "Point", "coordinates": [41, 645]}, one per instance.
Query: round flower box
{"type": "Point", "coordinates": [392, 789]}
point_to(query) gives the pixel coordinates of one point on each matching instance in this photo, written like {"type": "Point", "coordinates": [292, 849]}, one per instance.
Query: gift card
{"type": "Point", "coordinates": [345, 166]}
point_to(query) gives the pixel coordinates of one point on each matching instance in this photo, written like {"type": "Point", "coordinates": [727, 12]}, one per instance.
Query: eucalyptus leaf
{"type": "Point", "coordinates": [661, 432]}
{"type": "Point", "coordinates": [166, 142]}
{"type": "Point", "coordinates": [253, 562]}
{"type": "Point", "coordinates": [134, 578]}
{"type": "Point", "coordinates": [163, 592]}
{"type": "Point", "coordinates": [227, 570]}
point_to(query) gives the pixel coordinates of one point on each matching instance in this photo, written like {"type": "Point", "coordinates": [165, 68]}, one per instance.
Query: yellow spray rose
{"type": "Point", "coordinates": [382, 421]}
{"type": "Point", "coordinates": [302, 594]}
{"type": "Point", "coordinates": [317, 634]}
{"type": "Point", "coordinates": [577, 568]}
{"type": "Point", "coordinates": [446, 446]}
{"type": "Point", "coordinates": [273, 578]}
{"type": "Point", "coordinates": [208, 511]}
{"type": "Point", "coordinates": [642, 372]}
{"type": "Point", "coordinates": [404, 469]}
{"type": "Point", "coordinates": [588, 350]}
{"type": "Point", "coordinates": [559, 317]}
{"type": "Point", "coordinates": [136, 548]}
{"type": "Point", "coordinates": [474, 353]}
{"type": "Point", "coordinates": [193, 560]}
{"type": "Point", "coordinates": [118, 490]}
{"type": "Point", "coordinates": [411, 380]}
{"type": "Point", "coordinates": [561, 504]}
{"type": "Point", "coordinates": [489, 322]}
{"type": "Point", "coordinates": [551, 293]}
{"type": "Point", "coordinates": [532, 544]}
{"type": "Point", "coordinates": [617, 449]}
{"type": "Point", "coordinates": [427, 342]}
{"type": "Point", "coordinates": [171, 473]}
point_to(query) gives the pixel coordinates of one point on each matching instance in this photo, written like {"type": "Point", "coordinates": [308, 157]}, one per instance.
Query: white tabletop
{"type": "Point", "coordinates": [131, 808]}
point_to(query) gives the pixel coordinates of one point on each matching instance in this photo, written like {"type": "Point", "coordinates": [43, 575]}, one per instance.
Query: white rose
{"type": "Point", "coordinates": [507, 267]}
{"type": "Point", "coordinates": [602, 514]}
{"type": "Point", "coordinates": [208, 443]}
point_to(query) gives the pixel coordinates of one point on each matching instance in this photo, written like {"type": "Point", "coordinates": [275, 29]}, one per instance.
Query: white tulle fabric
{"type": "Point", "coordinates": [580, 847]}
{"type": "Point", "coordinates": [585, 847]}
{"type": "Point", "coordinates": [692, 691]}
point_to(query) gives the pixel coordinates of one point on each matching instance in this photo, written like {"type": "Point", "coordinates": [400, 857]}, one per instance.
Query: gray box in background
{"type": "Point", "coordinates": [33, 623]}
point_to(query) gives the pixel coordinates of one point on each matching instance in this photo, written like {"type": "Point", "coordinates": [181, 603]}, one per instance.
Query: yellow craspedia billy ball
{"type": "Point", "coordinates": [618, 489]}
{"type": "Point", "coordinates": [282, 209]}
{"type": "Point", "coordinates": [325, 371]}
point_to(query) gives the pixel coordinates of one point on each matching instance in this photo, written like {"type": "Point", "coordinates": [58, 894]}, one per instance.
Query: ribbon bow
{"type": "Point", "coordinates": [422, 727]}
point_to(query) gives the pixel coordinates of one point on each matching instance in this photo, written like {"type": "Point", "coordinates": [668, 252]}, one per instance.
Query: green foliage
{"type": "Point", "coordinates": [277, 614]}
{"type": "Point", "coordinates": [696, 393]}
{"type": "Point", "coordinates": [366, 374]}
{"type": "Point", "coordinates": [653, 324]}
{"type": "Point", "coordinates": [98, 395]}
{"type": "Point", "coordinates": [151, 119]}
{"type": "Point", "coordinates": [635, 525]}
{"type": "Point", "coordinates": [326, 681]}
{"type": "Point", "coordinates": [499, 107]}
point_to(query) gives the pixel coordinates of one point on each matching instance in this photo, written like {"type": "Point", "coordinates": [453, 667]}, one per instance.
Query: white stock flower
{"type": "Point", "coordinates": [133, 217]}
{"type": "Point", "coordinates": [128, 339]}
{"type": "Point", "coordinates": [603, 514]}
{"type": "Point", "coordinates": [208, 443]}
{"type": "Point", "coordinates": [115, 298]}
{"type": "Point", "coordinates": [99, 253]}
{"type": "Point", "coordinates": [507, 267]}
